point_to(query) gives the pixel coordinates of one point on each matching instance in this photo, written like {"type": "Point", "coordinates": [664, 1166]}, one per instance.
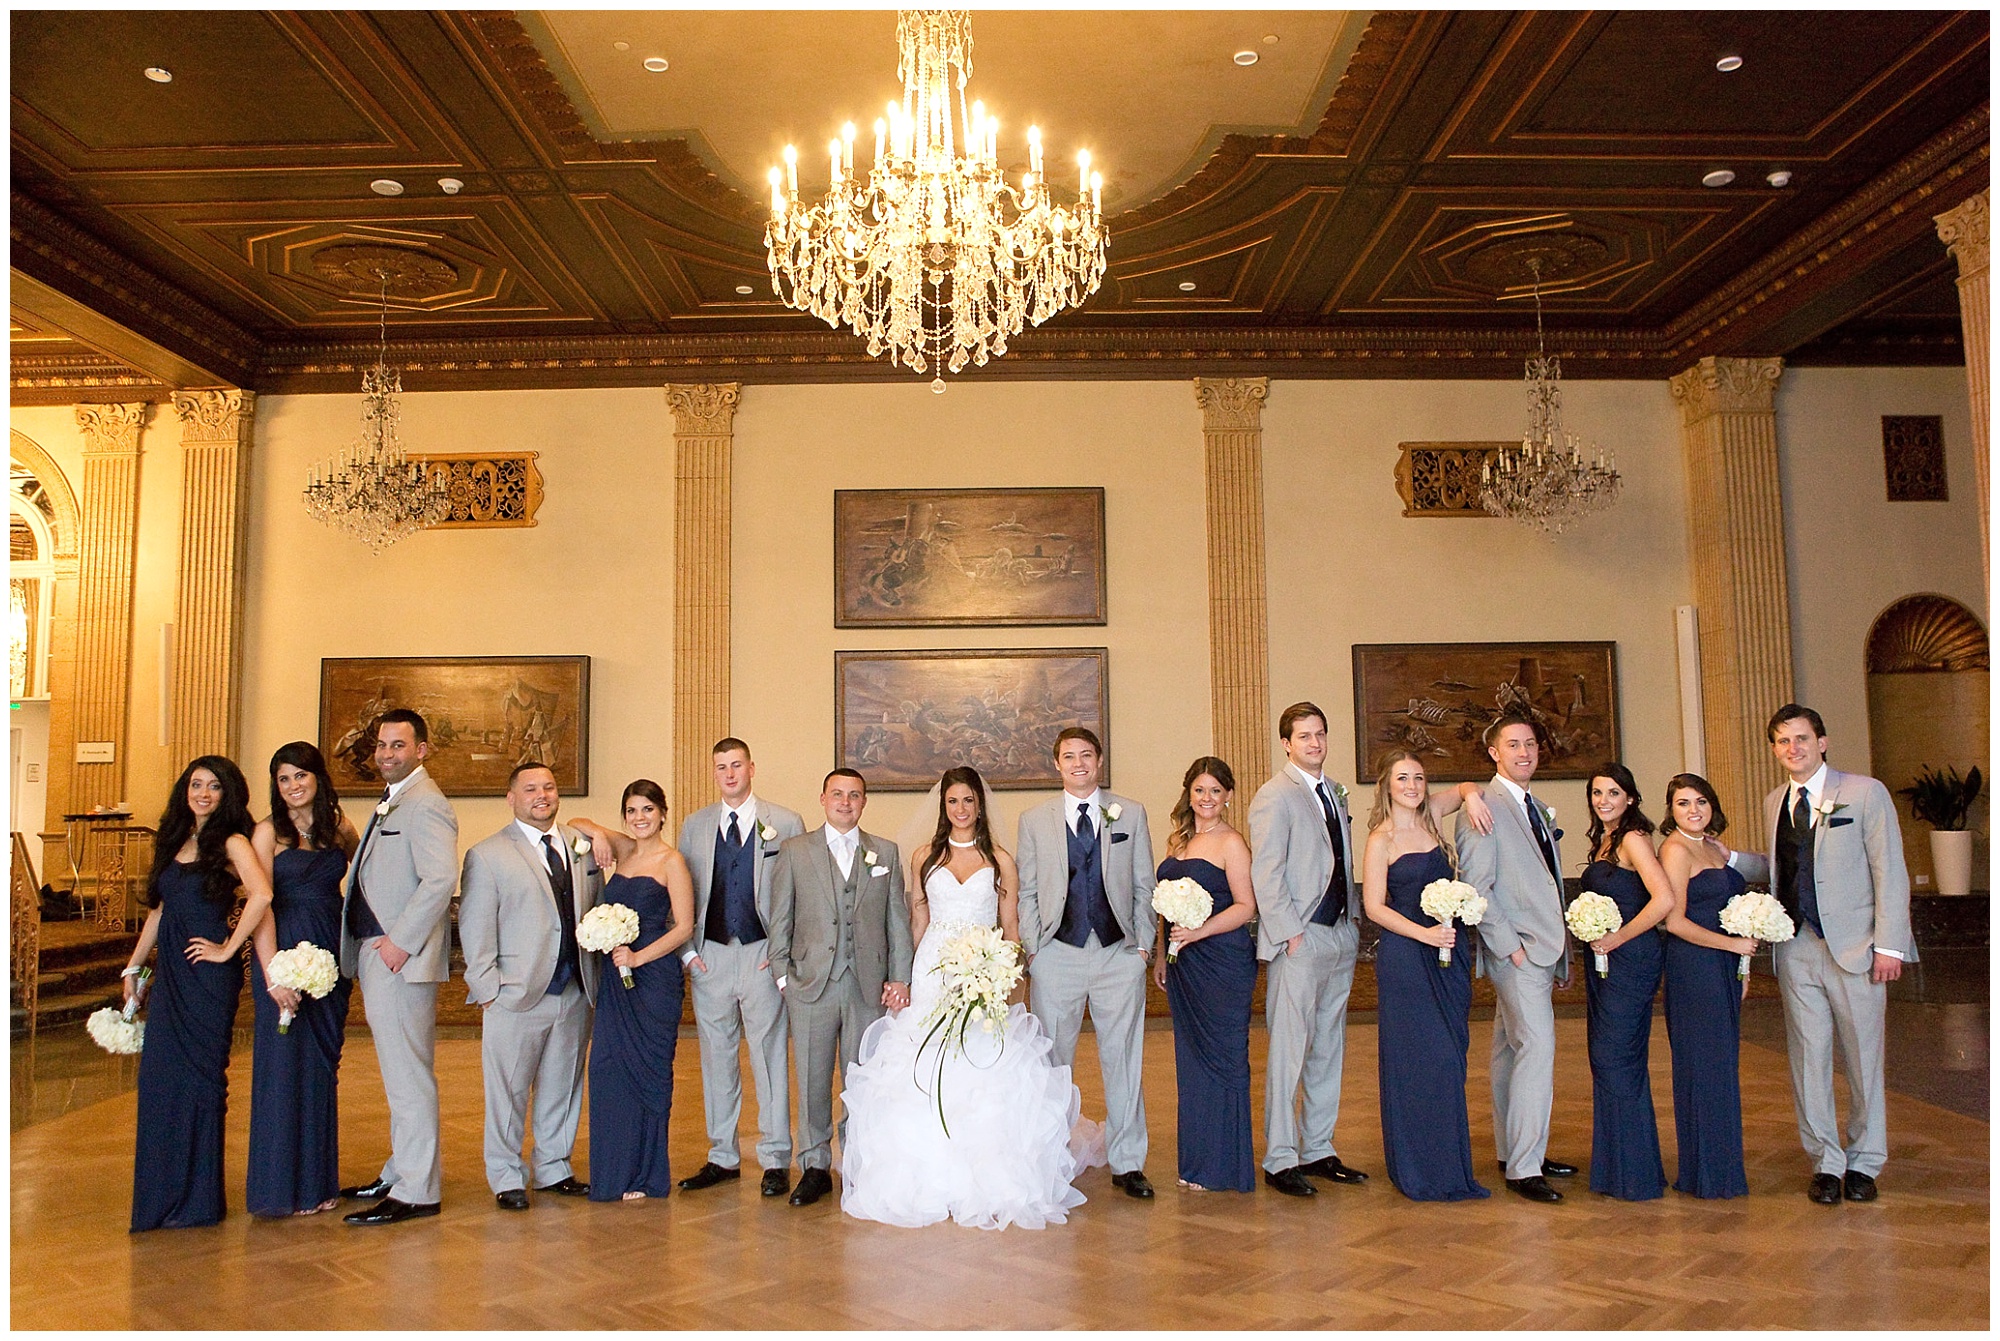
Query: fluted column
{"type": "Point", "coordinates": [1963, 232]}
{"type": "Point", "coordinates": [1736, 544]}
{"type": "Point", "coordinates": [208, 604]}
{"type": "Point", "coordinates": [1239, 650]}
{"type": "Point", "coordinates": [704, 422]}
{"type": "Point", "coordinates": [107, 551]}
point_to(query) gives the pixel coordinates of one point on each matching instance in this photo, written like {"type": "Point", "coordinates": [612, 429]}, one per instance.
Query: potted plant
{"type": "Point", "coordinates": [1943, 800]}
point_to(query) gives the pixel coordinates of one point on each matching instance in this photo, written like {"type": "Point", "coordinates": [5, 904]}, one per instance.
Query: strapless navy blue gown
{"type": "Point", "coordinates": [295, 1076]}
{"type": "Point", "coordinates": [1422, 1010]}
{"type": "Point", "coordinates": [1209, 987]}
{"type": "Point", "coordinates": [184, 1067]}
{"type": "Point", "coordinates": [1625, 1135]}
{"type": "Point", "coordinates": [1704, 1007]}
{"type": "Point", "coordinates": [632, 1054]}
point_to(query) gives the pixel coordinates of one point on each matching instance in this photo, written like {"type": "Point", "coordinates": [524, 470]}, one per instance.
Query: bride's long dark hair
{"type": "Point", "coordinates": [939, 851]}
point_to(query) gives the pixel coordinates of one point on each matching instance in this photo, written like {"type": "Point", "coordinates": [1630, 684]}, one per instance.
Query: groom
{"type": "Point", "coordinates": [839, 938]}
{"type": "Point", "coordinates": [1086, 909]}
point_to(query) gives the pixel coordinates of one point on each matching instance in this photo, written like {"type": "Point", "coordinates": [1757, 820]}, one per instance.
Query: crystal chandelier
{"type": "Point", "coordinates": [1546, 482]}
{"type": "Point", "coordinates": [372, 490]}
{"type": "Point", "coordinates": [935, 259]}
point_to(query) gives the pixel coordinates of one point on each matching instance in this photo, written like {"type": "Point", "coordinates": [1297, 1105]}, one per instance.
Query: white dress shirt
{"type": "Point", "coordinates": [1096, 803]}
{"type": "Point", "coordinates": [843, 846]}
{"type": "Point", "coordinates": [746, 818]}
{"type": "Point", "coordinates": [396, 789]}
{"type": "Point", "coordinates": [1318, 786]}
{"type": "Point", "coordinates": [535, 836]}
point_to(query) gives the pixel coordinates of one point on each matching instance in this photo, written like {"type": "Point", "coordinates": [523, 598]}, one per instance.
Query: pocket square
{"type": "Point", "coordinates": [1121, 837]}
{"type": "Point", "coordinates": [388, 833]}
{"type": "Point", "coordinates": [878, 870]}
{"type": "Point", "coordinates": [1839, 820]}
{"type": "Point", "coordinates": [770, 852]}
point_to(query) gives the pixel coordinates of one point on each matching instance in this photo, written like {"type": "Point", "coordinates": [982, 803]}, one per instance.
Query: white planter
{"type": "Point", "coordinates": [1951, 860]}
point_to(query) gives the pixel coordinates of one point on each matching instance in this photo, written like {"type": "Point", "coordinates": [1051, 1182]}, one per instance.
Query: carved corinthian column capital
{"type": "Point", "coordinates": [1963, 232]}
{"type": "Point", "coordinates": [1231, 403]}
{"type": "Point", "coordinates": [217, 415]}
{"type": "Point", "coordinates": [111, 428]}
{"type": "Point", "coordinates": [703, 407]}
{"type": "Point", "coordinates": [1727, 386]}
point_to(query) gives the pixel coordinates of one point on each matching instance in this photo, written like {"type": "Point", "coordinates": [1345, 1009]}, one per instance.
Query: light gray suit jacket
{"type": "Point", "coordinates": [1859, 877]}
{"type": "Point", "coordinates": [507, 919]}
{"type": "Point", "coordinates": [1124, 853]}
{"type": "Point", "coordinates": [804, 924]}
{"type": "Point", "coordinates": [697, 846]}
{"type": "Point", "coordinates": [407, 866]}
{"type": "Point", "coordinates": [1291, 859]}
{"type": "Point", "coordinates": [1524, 908]}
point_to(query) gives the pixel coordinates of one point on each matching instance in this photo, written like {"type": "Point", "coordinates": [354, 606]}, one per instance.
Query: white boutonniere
{"type": "Point", "coordinates": [581, 846]}
{"type": "Point", "coordinates": [870, 858]}
{"type": "Point", "coordinates": [382, 810]}
{"type": "Point", "coordinates": [1828, 807]}
{"type": "Point", "coordinates": [765, 831]}
{"type": "Point", "coordinates": [1340, 792]}
{"type": "Point", "coordinates": [1112, 812]}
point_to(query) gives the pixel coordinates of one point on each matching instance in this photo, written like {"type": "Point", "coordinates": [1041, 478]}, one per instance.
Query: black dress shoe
{"type": "Point", "coordinates": [390, 1211]}
{"type": "Point", "coordinates": [1824, 1189]}
{"type": "Point", "coordinates": [1333, 1171]}
{"type": "Point", "coordinates": [568, 1187]}
{"type": "Point", "coordinates": [513, 1199]}
{"type": "Point", "coordinates": [1535, 1189]}
{"type": "Point", "coordinates": [381, 1187]}
{"type": "Point", "coordinates": [708, 1175]}
{"type": "Point", "coordinates": [776, 1183]}
{"type": "Point", "coordinates": [813, 1184]}
{"type": "Point", "coordinates": [1134, 1183]}
{"type": "Point", "coordinates": [1292, 1182]}
{"type": "Point", "coordinates": [1858, 1186]}
{"type": "Point", "coordinates": [1555, 1168]}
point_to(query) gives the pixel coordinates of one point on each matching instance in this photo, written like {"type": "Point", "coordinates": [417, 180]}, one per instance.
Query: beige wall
{"type": "Point", "coordinates": [1347, 567]}
{"type": "Point", "coordinates": [1141, 441]}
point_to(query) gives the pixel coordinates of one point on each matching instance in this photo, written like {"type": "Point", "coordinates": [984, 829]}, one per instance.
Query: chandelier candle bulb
{"type": "Point", "coordinates": [1035, 150]}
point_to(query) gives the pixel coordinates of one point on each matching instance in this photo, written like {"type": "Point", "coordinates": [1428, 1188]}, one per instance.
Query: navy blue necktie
{"type": "Point", "coordinates": [1542, 840]}
{"type": "Point", "coordinates": [1083, 825]}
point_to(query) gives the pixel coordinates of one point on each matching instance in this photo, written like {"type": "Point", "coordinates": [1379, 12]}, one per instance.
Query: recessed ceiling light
{"type": "Point", "coordinates": [745, 289]}
{"type": "Point", "coordinates": [383, 186]}
{"type": "Point", "coordinates": [657, 64]}
{"type": "Point", "coordinates": [1270, 39]}
{"type": "Point", "coordinates": [1245, 57]}
{"type": "Point", "coordinates": [1720, 177]}
{"type": "Point", "coordinates": [451, 186]}
{"type": "Point", "coordinates": [1779, 178]}
{"type": "Point", "coordinates": [1729, 63]}
{"type": "Point", "coordinates": [621, 46]}
{"type": "Point", "coordinates": [159, 74]}
{"type": "Point", "coordinates": [1187, 286]}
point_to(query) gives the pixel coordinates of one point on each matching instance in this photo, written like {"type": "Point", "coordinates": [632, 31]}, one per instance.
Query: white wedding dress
{"type": "Point", "coordinates": [1011, 1112]}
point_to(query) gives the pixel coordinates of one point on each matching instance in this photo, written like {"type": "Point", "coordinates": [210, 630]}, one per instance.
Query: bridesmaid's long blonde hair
{"type": "Point", "coordinates": [1385, 806]}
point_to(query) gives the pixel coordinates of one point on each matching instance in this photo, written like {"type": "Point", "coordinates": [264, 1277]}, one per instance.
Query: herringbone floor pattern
{"type": "Point", "coordinates": [726, 1258]}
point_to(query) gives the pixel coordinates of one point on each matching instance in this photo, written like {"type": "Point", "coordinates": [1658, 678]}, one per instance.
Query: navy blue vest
{"type": "Point", "coordinates": [1087, 909]}
{"type": "Point", "coordinates": [732, 893]}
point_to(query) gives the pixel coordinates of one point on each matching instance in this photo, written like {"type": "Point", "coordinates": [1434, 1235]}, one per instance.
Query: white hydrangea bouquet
{"type": "Point", "coordinates": [980, 968]}
{"type": "Point", "coordinates": [116, 1029]}
{"type": "Point", "coordinates": [1447, 900]}
{"type": "Point", "coordinates": [303, 968]}
{"type": "Point", "coordinates": [1760, 917]}
{"type": "Point", "coordinates": [1592, 917]}
{"type": "Point", "coordinates": [605, 928]}
{"type": "Point", "coordinates": [1184, 903]}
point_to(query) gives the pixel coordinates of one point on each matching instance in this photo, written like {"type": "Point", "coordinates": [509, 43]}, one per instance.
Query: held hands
{"type": "Point", "coordinates": [895, 995]}
{"type": "Point", "coordinates": [1887, 968]}
{"type": "Point", "coordinates": [286, 998]}
{"type": "Point", "coordinates": [200, 950]}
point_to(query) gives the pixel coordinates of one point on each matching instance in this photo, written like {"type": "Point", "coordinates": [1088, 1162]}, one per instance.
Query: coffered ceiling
{"type": "Point", "coordinates": [1363, 200]}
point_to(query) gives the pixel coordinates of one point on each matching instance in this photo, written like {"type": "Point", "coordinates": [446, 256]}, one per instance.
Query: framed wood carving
{"type": "Point", "coordinates": [1441, 479]}
{"type": "Point", "coordinates": [1437, 698]}
{"type": "Point", "coordinates": [485, 714]}
{"type": "Point", "coordinates": [903, 718]}
{"type": "Point", "coordinates": [488, 489]}
{"type": "Point", "coordinates": [936, 558]}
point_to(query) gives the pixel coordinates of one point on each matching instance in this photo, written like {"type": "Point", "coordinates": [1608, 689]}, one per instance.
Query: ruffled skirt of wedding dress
{"type": "Point", "coordinates": [1016, 1137]}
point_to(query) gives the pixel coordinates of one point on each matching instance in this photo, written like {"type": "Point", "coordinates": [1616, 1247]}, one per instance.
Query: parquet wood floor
{"type": "Point", "coordinates": [727, 1258]}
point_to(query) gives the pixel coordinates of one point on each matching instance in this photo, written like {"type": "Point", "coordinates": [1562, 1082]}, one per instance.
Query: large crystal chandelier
{"type": "Point", "coordinates": [935, 259]}
{"type": "Point", "coordinates": [372, 490]}
{"type": "Point", "coordinates": [1546, 482]}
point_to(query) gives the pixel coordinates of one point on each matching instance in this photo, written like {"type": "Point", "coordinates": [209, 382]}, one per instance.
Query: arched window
{"type": "Point", "coordinates": [31, 573]}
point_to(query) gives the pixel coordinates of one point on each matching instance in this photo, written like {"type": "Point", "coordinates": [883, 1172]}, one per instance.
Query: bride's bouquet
{"type": "Point", "coordinates": [1760, 917]}
{"type": "Point", "coordinates": [303, 968]}
{"type": "Point", "coordinates": [1448, 899]}
{"type": "Point", "coordinates": [605, 928]}
{"type": "Point", "coordinates": [1184, 903]}
{"type": "Point", "coordinates": [1591, 918]}
{"type": "Point", "coordinates": [117, 1029]}
{"type": "Point", "coordinates": [980, 968]}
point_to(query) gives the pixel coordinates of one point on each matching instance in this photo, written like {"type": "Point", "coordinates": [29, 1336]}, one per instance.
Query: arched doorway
{"type": "Point", "coordinates": [1928, 680]}
{"type": "Point", "coordinates": [43, 525]}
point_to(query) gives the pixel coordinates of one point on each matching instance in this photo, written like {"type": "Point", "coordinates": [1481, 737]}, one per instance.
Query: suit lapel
{"type": "Point", "coordinates": [1313, 807]}
{"type": "Point", "coordinates": [1829, 798]}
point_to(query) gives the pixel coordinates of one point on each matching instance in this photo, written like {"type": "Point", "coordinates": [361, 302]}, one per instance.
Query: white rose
{"type": "Point", "coordinates": [1113, 811]}
{"type": "Point", "coordinates": [765, 831]}
{"type": "Point", "coordinates": [582, 846]}
{"type": "Point", "coordinates": [382, 809]}
{"type": "Point", "coordinates": [871, 859]}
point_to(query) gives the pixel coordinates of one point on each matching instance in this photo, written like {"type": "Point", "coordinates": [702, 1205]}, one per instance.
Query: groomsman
{"type": "Point", "coordinates": [1525, 947]}
{"type": "Point", "coordinates": [840, 942]}
{"type": "Point", "coordinates": [396, 938]}
{"type": "Point", "coordinates": [1304, 876]}
{"type": "Point", "coordinates": [1086, 910]}
{"type": "Point", "coordinates": [1837, 866]}
{"type": "Point", "coordinates": [731, 849]}
{"type": "Point", "coordinates": [523, 891]}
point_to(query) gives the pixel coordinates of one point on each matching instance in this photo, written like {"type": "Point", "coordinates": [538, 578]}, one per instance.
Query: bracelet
{"type": "Point", "coordinates": [131, 972]}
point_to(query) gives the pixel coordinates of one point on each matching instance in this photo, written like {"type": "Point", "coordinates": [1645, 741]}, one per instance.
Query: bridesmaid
{"type": "Point", "coordinates": [294, 1166]}
{"type": "Point", "coordinates": [1209, 985]}
{"type": "Point", "coordinates": [1704, 995]}
{"type": "Point", "coordinates": [1423, 1006]}
{"type": "Point", "coordinates": [637, 1028]}
{"type": "Point", "coordinates": [201, 858]}
{"type": "Point", "coordinates": [1625, 1140]}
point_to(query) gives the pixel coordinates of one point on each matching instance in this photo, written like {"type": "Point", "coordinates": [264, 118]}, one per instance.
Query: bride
{"type": "Point", "coordinates": [984, 1138]}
